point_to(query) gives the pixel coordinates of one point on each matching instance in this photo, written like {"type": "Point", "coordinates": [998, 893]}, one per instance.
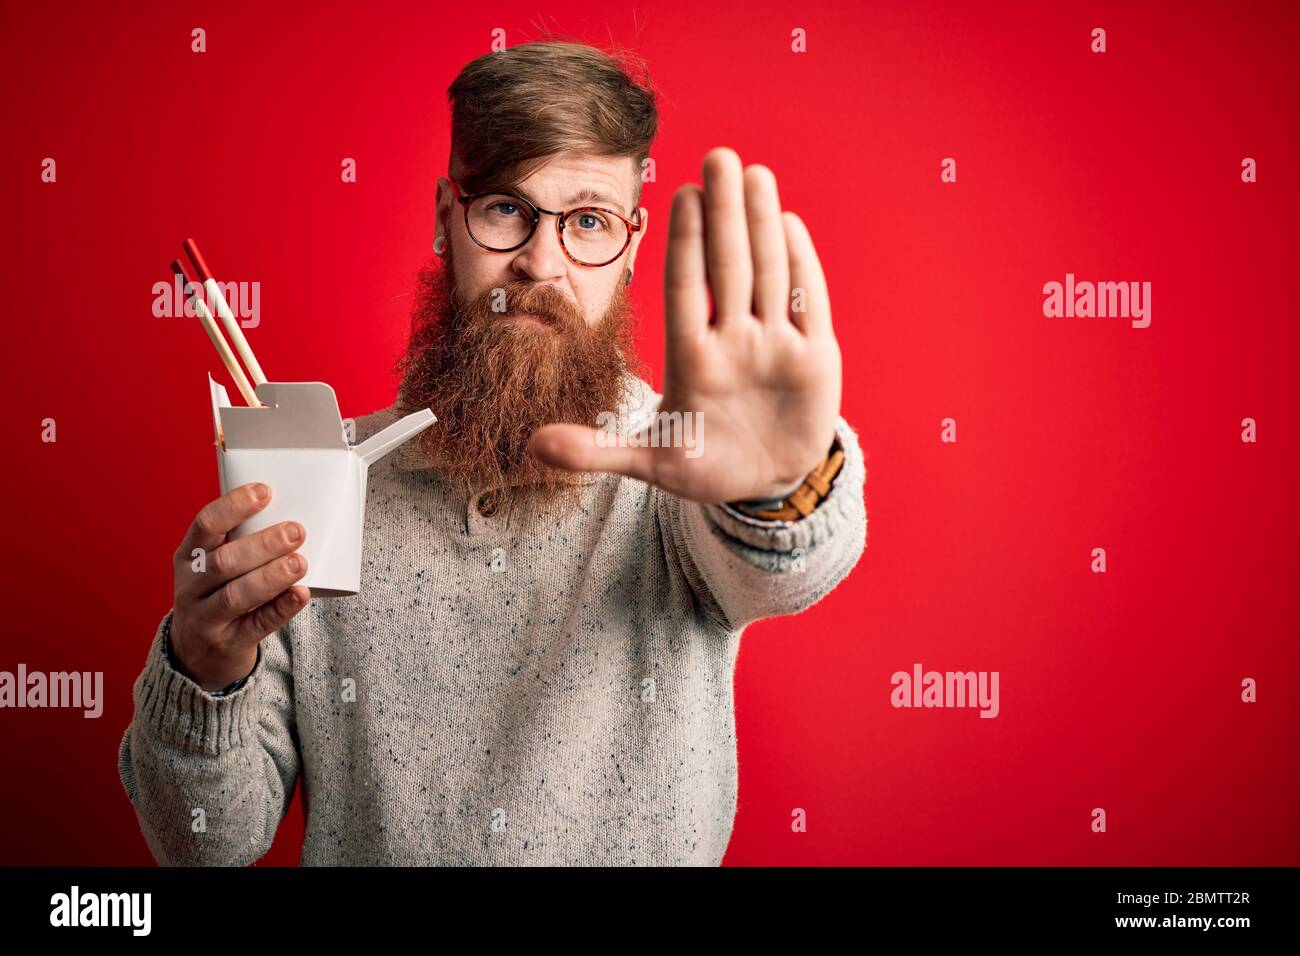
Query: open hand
{"type": "Point", "coordinates": [764, 373]}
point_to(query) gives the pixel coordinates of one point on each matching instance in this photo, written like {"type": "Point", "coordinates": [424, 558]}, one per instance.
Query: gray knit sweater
{"type": "Point", "coordinates": [560, 696]}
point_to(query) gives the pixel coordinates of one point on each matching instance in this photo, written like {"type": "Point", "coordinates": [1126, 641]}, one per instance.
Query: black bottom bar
{"type": "Point", "coordinates": [263, 905]}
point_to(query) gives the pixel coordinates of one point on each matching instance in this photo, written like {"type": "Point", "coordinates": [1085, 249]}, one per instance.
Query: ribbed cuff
{"type": "Point", "coordinates": [806, 532]}
{"type": "Point", "coordinates": [225, 691]}
{"type": "Point", "coordinates": [181, 713]}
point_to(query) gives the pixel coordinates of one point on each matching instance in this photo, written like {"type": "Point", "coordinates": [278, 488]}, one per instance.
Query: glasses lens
{"type": "Point", "coordinates": [502, 222]}
{"type": "Point", "coordinates": [499, 221]}
{"type": "Point", "coordinates": [594, 236]}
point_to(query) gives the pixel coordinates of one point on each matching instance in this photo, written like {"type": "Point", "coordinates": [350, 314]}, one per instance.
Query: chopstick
{"type": "Point", "coordinates": [214, 333]}
{"type": "Point", "coordinates": [223, 309]}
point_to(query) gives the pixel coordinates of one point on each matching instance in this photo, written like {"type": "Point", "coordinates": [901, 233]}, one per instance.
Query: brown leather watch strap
{"type": "Point", "coordinates": [815, 488]}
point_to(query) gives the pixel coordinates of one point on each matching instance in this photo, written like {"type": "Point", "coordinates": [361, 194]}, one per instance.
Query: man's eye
{"type": "Point", "coordinates": [590, 221]}
{"type": "Point", "coordinates": [510, 205]}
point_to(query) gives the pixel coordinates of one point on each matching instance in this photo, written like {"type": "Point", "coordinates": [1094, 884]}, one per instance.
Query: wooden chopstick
{"type": "Point", "coordinates": [218, 341]}
{"type": "Point", "coordinates": [223, 309]}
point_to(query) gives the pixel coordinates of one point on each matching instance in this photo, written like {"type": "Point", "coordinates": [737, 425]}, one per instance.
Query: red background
{"type": "Point", "coordinates": [1119, 690]}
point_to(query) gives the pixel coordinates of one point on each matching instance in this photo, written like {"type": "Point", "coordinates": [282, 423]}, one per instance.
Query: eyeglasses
{"type": "Point", "coordinates": [589, 235]}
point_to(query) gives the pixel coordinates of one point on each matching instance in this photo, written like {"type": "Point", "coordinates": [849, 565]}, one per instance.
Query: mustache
{"type": "Point", "coordinates": [545, 302]}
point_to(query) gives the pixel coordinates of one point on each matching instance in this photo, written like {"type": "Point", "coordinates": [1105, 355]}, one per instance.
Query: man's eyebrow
{"type": "Point", "coordinates": [588, 195]}
{"type": "Point", "coordinates": [591, 194]}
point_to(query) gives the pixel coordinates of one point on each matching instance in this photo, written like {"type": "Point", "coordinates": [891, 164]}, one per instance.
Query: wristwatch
{"type": "Point", "coordinates": [171, 662]}
{"type": "Point", "coordinates": [801, 502]}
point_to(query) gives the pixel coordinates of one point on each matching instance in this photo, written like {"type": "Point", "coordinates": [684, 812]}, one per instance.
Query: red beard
{"type": "Point", "coordinates": [494, 380]}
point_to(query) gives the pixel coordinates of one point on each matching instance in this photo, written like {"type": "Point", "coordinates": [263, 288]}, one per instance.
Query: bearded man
{"type": "Point", "coordinates": [538, 668]}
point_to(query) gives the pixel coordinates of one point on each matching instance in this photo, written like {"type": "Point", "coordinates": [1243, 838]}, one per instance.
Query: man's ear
{"type": "Point", "coordinates": [443, 207]}
{"type": "Point", "coordinates": [638, 236]}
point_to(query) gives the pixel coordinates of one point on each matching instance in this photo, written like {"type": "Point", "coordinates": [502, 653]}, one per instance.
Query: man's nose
{"type": "Point", "coordinates": [542, 257]}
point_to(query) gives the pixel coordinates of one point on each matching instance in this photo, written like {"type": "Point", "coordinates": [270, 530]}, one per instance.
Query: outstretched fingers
{"type": "Point", "coordinates": [810, 301]}
{"type": "Point", "coordinates": [686, 287]}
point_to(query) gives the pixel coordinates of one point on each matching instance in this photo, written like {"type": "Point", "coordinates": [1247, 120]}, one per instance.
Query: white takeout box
{"type": "Point", "coordinates": [297, 445]}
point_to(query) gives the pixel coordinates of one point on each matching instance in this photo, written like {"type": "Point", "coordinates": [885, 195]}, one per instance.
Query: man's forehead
{"type": "Point", "coordinates": [599, 180]}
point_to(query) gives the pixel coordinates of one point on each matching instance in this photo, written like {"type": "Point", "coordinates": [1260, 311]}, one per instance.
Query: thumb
{"type": "Point", "coordinates": [581, 448]}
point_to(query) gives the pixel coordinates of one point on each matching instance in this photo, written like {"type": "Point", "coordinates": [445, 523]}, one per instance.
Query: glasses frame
{"type": "Point", "coordinates": [560, 217]}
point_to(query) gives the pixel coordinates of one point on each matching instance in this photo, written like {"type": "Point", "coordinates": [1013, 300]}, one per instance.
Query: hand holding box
{"type": "Point", "coordinates": [295, 443]}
